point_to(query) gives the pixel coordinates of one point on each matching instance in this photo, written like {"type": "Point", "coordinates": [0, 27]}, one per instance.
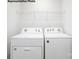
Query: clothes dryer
{"type": "Point", "coordinates": [58, 45]}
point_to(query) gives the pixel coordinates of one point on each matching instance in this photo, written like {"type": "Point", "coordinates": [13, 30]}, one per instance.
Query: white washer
{"type": "Point", "coordinates": [28, 44]}
{"type": "Point", "coordinates": [58, 45]}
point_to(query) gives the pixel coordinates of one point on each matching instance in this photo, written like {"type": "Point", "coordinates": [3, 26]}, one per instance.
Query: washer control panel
{"type": "Point", "coordinates": [31, 30]}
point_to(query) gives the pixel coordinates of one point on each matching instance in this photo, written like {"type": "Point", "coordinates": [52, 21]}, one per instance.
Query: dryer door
{"type": "Point", "coordinates": [58, 49]}
{"type": "Point", "coordinates": [26, 53]}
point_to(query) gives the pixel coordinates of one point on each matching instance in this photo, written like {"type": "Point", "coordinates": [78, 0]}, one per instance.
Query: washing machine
{"type": "Point", "coordinates": [58, 45]}
{"type": "Point", "coordinates": [28, 44]}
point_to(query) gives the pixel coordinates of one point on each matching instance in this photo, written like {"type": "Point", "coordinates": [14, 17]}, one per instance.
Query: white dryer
{"type": "Point", "coordinates": [28, 44]}
{"type": "Point", "coordinates": [58, 45]}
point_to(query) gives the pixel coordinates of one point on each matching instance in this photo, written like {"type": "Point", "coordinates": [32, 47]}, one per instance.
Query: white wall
{"type": "Point", "coordinates": [67, 16]}
{"type": "Point", "coordinates": [42, 13]}
{"type": "Point", "coordinates": [12, 19]}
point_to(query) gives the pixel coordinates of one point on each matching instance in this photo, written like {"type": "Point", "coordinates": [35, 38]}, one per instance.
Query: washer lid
{"type": "Point", "coordinates": [29, 32]}
{"type": "Point", "coordinates": [28, 36]}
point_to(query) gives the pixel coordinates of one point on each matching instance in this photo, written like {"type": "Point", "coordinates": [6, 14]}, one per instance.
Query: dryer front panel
{"type": "Point", "coordinates": [58, 49]}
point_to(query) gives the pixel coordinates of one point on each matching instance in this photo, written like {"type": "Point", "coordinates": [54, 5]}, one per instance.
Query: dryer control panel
{"type": "Point", "coordinates": [53, 29]}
